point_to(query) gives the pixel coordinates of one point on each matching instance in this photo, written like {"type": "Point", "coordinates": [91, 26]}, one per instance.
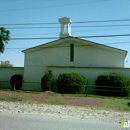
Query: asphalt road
{"type": "Point", "coordinates": [34, 122]}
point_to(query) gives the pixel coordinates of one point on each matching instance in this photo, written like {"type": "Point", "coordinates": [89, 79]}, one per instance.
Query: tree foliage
{"type": "Point", "coordinates": [113, 84]}
{"type": "Point", "coordinates": [47, 81]}
{"type": "Point", "coordinates": [71, 83]}
{"type": "Point", "coordinates": [5, 64]}
{"type": "Point", "coordinates": [16, 81]}
{"type": "Point", "coordinates": [4, 38]}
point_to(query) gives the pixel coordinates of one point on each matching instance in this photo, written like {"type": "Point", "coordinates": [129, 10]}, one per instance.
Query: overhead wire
{"type": "Point", "coordinates": [119, 35]}
{"type": "Point", "coordinates": [75, 37]}
{"type": "Point", "coordinates": [79, 22]}
{"type": "Point", "coordinates": [31, 8]}
{"type": "Point", "coordinates": [97, 26]}
{"type": "Point", "coordinates": [73, 31]}
{"type": "Point", "coordinates": [75, 45]}
{"type": "Point", "coordinates": [96, 36]}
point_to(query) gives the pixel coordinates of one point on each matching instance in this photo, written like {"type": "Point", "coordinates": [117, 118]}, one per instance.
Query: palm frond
{"type": "Point", "coordinates": [4, 38]}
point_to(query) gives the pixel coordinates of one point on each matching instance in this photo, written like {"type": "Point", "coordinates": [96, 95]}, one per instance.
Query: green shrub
{"type": "Point", "coordinates": [16, 81]}
{"type": "Point", "coordinates": [47, 81]}
{"type": "Point", "coordinates": [71, 83]}
{"type": "Point", "coordinates": [113, 84]}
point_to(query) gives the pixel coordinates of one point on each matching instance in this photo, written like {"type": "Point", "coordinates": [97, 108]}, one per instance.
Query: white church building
{"type": "Point", "coordinates": [70, 54]}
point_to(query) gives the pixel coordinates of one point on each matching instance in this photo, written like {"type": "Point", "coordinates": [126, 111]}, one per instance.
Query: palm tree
{"type": "Point", "coordinates": [4, 38]}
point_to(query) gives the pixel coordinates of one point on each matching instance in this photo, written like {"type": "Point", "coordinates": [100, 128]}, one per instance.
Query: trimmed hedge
{"type": "Point", "coordinates": [47, 81]}
{"type": "Point", "coordinates": [113, 84]}
{"type": "Point", "coordinates": [71, 83]}
{"type": "Point", "coordinates": [16, 81]}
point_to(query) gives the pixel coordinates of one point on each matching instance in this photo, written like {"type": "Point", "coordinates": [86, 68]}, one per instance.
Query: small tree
{"type": "Point", "coordinates": [5, 64]}
{"type": "Point", "coordinates": [47, 81]}
{"type": "Point", "coordinates": [16, 81]}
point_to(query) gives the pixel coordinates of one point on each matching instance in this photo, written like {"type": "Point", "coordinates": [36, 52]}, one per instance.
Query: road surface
{"type": "Point", "coordinates": [10, 121]}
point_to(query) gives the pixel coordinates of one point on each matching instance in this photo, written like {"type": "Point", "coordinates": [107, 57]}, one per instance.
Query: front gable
{"type": "Point", "coordinates": [75, 52]}
{"type": "Point", "coordinates": [79, 42]}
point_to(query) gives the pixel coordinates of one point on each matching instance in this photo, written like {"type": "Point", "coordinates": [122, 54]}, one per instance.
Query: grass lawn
{"type": "Point", "coordinates": [48, 97]}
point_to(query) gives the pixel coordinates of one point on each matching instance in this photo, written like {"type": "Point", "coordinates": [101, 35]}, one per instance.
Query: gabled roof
{"type": "Point", "coordinates": [75, 39]}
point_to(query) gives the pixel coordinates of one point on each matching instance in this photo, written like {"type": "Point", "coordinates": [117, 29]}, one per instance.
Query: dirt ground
{"type": "Point", "coordinates": [63, 111]}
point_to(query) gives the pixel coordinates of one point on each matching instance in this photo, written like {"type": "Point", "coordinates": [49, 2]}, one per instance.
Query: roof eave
{"type": "Point", "coordinates": [73, 38]}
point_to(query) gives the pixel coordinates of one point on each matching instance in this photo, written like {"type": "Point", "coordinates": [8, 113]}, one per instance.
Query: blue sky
{"type": "Point", "coordinates": [42, 11]}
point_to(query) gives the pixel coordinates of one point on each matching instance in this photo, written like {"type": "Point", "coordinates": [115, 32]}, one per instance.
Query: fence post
{"type": "Point", "coordinates": [86, 90]}
{"type": "Point", "coordinates": [50, 88]}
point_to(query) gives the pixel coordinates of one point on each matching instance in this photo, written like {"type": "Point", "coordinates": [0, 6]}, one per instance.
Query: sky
{"type": "Point", "coordinates": [39, 19]}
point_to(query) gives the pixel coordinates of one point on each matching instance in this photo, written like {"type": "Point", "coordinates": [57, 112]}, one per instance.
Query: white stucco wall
{"type": "Point", "coordinates": [90, 74]}
{"type": "Point", "coordinates": [84, 55]}
{"type": "Point", "coordinates": [32, 77]}
{"type": "Point", "coordinates": [36, 61]}
{"type": "Point", "coordinates": [7, 73]}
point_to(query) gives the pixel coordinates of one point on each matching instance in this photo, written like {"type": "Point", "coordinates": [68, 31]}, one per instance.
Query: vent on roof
{"type": "Point", "coordinates": [65, 29]}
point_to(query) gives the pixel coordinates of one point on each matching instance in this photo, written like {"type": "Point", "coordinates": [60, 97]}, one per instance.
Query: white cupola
{"type": "Point", "coordinates": [65, 29]}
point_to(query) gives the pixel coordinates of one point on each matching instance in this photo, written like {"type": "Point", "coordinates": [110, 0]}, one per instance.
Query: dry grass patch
{"type": "Point", "coordinates": [81, 100]}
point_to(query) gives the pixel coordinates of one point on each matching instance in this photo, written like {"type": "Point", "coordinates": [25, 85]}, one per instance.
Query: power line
{"type": "Point", "coordinates": [100, 30]}
{"type": "Point", "coordinates": [113, 20]}
{"type": "Point", "coordinates": [99, 36]}
{"type": "Point", "coordinates": [120, 35]}
{"type": "Point", "coordinates": [117, 42]}
{"type": "Point", "coordinates": [70, 4]}
{"type": "Point", "coordinates": [26, 24]}
{"type": "Point", "coordinates": [97, 26]}
{"type": "Point", "coordinates": [75, 45]}
{"type": "Point", "coordinates": [73, 31]}
{"type": "Point", "coordinates": [96, 21]}
{"type": "Point", "coordinates": [35, 34]}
